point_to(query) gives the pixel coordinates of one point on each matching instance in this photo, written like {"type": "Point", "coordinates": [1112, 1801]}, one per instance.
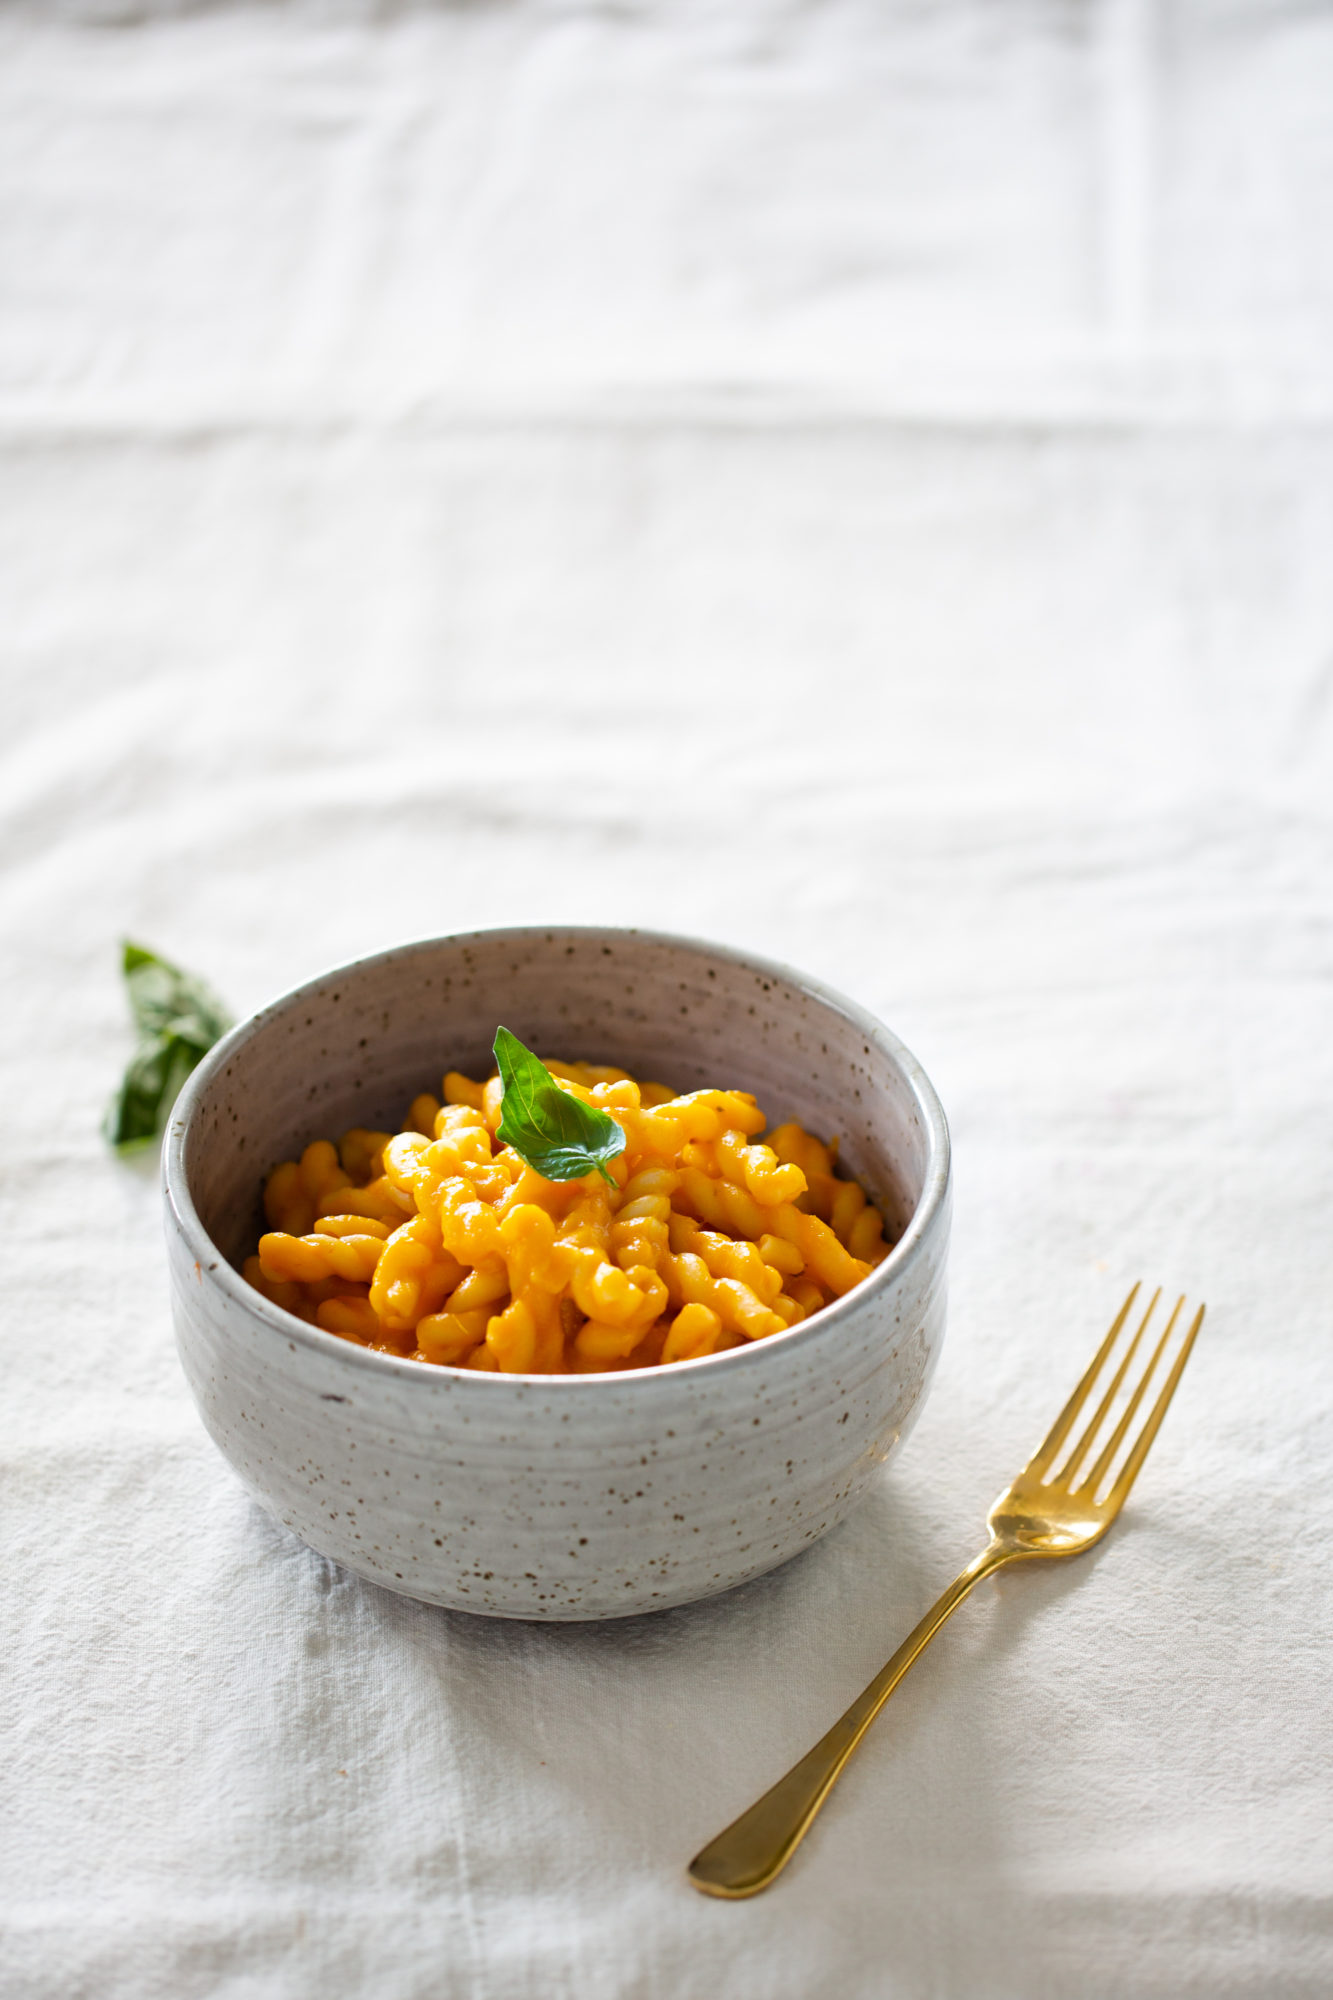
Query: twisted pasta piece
{"type": "Point", "coordinates": [511, 1338]}
{"type": "Point", "coordinates": [723, 1206]}
{"type": "Point", "coordinates": [639, 1233]}
{"type": "Point", "coordinates": [527, 1236]}
{"type": "Point", "coordinates": [695, 1331]}
{"type": "Point", "coordinates": [865, 1238]}
{"type": "Point", "coordinates": [379, 1200]}
{"type": "Point", "coordinates": [293, 1190]}
{"type": "Point", "coordinates": [781, 1254]}
{"type": "Point", "coordinates": [351, 1225]}
{"type": "Point", "coordinates": [630, 1300]}
{"type": "Point", "coordinates": [809, 1296]}
{"type": "Point", "coordinates": [690, 1282]}
{"type": "Point", "coordinates": [756, 1168]}
{"type": "Point", "coordinates": [469, 1227]}
{"type": "Point", "coordinates": [448, 1338]}
{"type": "Point", "coordinates": [726, 1258]}
{"type": "Point", "coordinates": [460, 1089]}
{"type": "Point", "coordinates": [422, 1113]}
{"type": "Point", "coordinates": [415, 1274]}
{"type": "Point", "coordinates": [361, 1153]}
{"type": "Point", "coordinates": [354, 1318]}
{"type": "Point", "coordinates": [599, 1344]}
{"type": "Point", "coordinates": [305, 1259]}
{"type": "Point", "coordinates": [484, 1285]}
{"type": "Point", "coordinates": [289, 1295]}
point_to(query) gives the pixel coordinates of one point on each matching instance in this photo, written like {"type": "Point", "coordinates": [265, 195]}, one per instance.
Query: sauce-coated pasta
{"type": "Point", "coordinates": [438, 1244]}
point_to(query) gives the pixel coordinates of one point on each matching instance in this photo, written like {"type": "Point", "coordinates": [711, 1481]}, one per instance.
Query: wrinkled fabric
{"type": "Point", "coordinates": [851, 481]}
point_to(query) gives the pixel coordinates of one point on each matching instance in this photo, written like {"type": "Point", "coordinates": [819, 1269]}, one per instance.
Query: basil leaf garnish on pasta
{"type": "Point", "coordinates": [177, 1020]}
{"type": "Point", "coordinates": [559, 1136]}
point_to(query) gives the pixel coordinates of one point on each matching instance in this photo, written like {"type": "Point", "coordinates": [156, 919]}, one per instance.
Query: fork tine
{"type": "Point", "coordinates": [1121, 1431]}
{"type": "Point", "coordinates": [1129, 1472]}
{"type": "Point", "coordinates": [1090, 1430]}
{"type": "Point", "coordinates": [1044, 1455]}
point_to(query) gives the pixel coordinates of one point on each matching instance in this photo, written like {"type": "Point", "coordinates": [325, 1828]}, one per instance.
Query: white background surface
{"type": "Point", "coordinates": [852, 480]}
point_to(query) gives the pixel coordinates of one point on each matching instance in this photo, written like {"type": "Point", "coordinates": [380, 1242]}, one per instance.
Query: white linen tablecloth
{"type": "Point", "coordinates": [851, 480]}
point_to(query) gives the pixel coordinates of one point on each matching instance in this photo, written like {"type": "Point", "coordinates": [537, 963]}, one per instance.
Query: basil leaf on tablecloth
{"type": "Point", "coordinates": [558, 1135]}
{"type": "Point", "coordinates": [178, 1020]}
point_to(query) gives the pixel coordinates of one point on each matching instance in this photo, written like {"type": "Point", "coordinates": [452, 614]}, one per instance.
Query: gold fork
{"type": "Point", "coordinates": [1046, 1512]}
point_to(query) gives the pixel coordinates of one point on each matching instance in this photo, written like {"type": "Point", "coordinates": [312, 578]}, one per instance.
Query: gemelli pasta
{"type": "Point", "coordinates": [442, 1244]}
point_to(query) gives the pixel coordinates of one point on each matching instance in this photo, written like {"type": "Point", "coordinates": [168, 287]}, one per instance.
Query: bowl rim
{"type": "Point", "coordinates": [821, 1326]}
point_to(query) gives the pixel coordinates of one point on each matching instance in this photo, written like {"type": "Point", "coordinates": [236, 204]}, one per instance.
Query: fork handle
{"type": "Point", "coordinates": [746, 1856]}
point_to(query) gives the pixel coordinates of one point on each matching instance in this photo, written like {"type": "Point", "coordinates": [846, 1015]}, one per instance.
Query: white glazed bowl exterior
{"type": "Point", "coordinates": [565, 1497]}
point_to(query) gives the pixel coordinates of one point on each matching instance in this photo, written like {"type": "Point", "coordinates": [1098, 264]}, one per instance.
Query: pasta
{"type": "Point", "coordinates": [441, 1244]}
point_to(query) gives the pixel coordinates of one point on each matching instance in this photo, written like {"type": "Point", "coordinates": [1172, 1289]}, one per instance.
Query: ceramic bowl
{"type": "Point", "coordinates": [555, 1497]}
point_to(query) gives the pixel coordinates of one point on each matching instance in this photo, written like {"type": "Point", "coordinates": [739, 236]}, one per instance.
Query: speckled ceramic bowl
{"type": "Point", "coordinates": [567, 1496]}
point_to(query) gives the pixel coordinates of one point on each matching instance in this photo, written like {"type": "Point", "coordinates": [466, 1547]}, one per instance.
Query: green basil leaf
{"type": "Point", "coordinates": [178, 1019]}
{"type": "Point", "coordinates": [559, 1136]}
{"type": "Point", "coordinates": [166, 1001]}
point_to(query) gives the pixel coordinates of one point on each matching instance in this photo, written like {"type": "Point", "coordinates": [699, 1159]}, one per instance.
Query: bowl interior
{"type": "Point", "coordinates": [354, 1047]}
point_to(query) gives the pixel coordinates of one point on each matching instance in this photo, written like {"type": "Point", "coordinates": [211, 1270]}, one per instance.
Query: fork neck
{"type": "Point", "coordinates": [995, 1555]}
